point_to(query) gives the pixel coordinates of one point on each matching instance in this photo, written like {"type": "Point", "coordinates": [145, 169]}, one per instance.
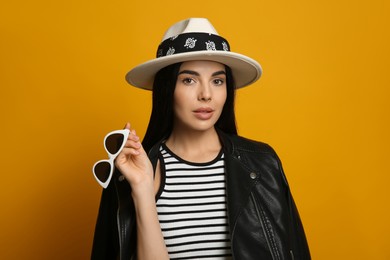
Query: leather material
{"type": "Point", "coordinates": [263, 219]}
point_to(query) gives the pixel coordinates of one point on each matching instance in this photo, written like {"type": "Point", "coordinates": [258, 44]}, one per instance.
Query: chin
{"type": "Point", "coordinates": [204, 126]}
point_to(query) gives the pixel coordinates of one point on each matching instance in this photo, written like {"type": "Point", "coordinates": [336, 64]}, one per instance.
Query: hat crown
{"type": "Point", "coordinates": [191, 25]}
{"type": "Point", "coordinates": [189, 40]}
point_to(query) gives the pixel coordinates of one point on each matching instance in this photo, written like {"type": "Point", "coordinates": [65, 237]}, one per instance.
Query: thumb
{"type": "Point", "coordinates": [127, 126]}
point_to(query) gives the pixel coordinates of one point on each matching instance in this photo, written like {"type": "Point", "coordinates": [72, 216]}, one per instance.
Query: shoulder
{"type": "Point", "coordinates": [255, 153]}
{"type": "Point", "coordinates": [243, 144]}
{"type": "Point", "coordinates": [256, 156]}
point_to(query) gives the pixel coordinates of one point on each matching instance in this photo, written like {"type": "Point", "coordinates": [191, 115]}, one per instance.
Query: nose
{"type": "Point", "coordinates": [204, 93]}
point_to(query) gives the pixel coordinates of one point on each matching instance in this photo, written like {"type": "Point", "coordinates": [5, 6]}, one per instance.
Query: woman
{"type": "Point", "coordinates": [193, 188]}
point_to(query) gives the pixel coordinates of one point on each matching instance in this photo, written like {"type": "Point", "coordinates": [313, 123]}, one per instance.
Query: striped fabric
{"type": "Point", "coordinates": [192, 208]}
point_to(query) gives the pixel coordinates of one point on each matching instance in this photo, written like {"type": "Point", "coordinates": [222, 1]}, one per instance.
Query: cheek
{"type": "Point", "coordinates": [179, 100]}
{"type": "Point", "coordinates": [183, 95]}
{"type": "Point", "coordinates": [222, 98]}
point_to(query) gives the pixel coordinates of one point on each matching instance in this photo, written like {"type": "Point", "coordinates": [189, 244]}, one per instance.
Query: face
{"type": "Point", "coordinates": [199, 96]}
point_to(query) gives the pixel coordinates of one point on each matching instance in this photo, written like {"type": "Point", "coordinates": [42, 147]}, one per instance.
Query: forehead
{"type": "Point", "coordinates": [202, 65]}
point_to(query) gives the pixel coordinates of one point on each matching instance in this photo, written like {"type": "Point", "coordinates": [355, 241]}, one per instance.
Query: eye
{"type": "Point", "coordinates": [188, 81]}
{"type": "Point", "coordinates": [218, 82]}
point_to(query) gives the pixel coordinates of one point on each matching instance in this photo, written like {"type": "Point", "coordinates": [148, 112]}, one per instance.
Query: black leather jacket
{"type": "Point", "coordinates": [263, 219]}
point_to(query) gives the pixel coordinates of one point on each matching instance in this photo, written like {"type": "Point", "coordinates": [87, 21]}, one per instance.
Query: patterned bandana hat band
{"type": "Point", "coordinates": [188, 42]}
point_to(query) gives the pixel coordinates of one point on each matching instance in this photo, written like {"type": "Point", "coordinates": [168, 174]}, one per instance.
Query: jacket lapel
{"type": "Point", "coordinates": [238, 185]}
{"type": "Point", "coordinates": [238, 180]}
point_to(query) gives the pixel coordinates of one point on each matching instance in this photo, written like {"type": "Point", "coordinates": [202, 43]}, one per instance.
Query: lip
{"type": "Point", "coordinates": [204, 113]}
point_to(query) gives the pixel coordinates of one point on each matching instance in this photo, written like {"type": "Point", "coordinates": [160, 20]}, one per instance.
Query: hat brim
{"type": "Point", "coordinates": [245, 70]}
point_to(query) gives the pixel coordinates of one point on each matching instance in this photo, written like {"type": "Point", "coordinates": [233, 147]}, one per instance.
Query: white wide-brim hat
{"type": "Point", "coordinates": [194, 39]}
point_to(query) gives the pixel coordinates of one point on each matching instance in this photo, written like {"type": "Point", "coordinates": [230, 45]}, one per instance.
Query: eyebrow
{"type": "Point", "coordinates": [191, 72]}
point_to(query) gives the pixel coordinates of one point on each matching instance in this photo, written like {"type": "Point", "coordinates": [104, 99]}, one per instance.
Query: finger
{"type": "Point", "coordinates": [130, 151]}
{"type": "Point", "coordinates": [133, 143]}
{"type": "Point", "coordinates": [133, 136]}
{"type": "Point", "coordinates": [137, 145]}
{"type": "Point", "coordinates": [126, 154]}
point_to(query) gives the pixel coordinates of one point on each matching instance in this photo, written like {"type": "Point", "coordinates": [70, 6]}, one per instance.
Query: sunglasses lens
{"type": "Point", "coordinates": [114, 143]}
{"type": "Point", "coordinates": [102, 171]}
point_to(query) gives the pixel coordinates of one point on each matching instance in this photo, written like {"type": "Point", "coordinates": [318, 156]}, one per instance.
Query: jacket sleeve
{"type": "Point", "coordinates": [105, 242]}
{"type": "Point", "coordinates": [298, 237]}
{"type": "Point", "coordinates": [298, 242]}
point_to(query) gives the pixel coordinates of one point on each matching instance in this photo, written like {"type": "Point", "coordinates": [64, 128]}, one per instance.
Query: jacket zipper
{"type": "Point", "coordinates": [118, 224]}
{"type": "Point", "coordinates": [274, 252]}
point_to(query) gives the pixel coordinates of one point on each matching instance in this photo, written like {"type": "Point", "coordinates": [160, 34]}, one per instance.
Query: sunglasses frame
{"type": "Point", "coordinates": [111, 157]}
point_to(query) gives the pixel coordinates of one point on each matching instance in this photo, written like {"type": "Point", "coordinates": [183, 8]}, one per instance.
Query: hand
{"type": "Point", "coordinates": [134, 164]}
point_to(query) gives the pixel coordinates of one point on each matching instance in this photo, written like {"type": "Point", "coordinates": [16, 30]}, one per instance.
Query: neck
{"type": "Point", "coordinates": [195, 146]}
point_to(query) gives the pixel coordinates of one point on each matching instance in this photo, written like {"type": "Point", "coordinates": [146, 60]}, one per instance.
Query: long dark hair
{"type": "Point", "coordinates": [161, 118]}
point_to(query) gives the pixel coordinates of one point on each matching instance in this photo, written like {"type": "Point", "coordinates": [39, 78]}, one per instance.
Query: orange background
{"type": "Point", "coordinates": [322, 103]}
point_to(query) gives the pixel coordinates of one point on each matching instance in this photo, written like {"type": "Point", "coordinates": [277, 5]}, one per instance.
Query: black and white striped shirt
{"type": "Point", "coordinates": [192, 208]}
